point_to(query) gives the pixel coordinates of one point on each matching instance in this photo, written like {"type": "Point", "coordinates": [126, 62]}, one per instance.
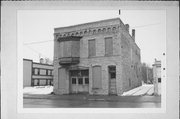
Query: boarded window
{"type": "Point", "coordinates": [92, 48]}
{"type": "Point", "coordinates": [67, 49]}
{"type": "Point", "coordinates": [96, 75]}
{"type": "Point", "coordinates": [61, 77]}
{"type": "Point", "coordinates": [108, 46]}
{"type": "Point", "coordinates": [75, 48]}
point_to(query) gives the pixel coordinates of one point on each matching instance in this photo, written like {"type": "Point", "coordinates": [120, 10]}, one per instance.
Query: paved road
{"type": "Point", "coordinates": [56, 103]}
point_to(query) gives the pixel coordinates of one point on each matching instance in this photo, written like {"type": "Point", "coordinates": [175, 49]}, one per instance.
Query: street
{"type": "Point", "coordinates": [80, 101]}
{"type": "Point", "coordinates": [46, 103]}
{"type": "Point", "coordinates": [140, 97]}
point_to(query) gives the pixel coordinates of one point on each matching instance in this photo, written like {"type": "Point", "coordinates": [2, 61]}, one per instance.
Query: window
{"type": "Point", "coordinates": [112, 72]}
{"type": "Point", "coordinates": [74, 73]}
{"type": "Point", "coordinates": [66, 49]}
{"type": "Point", "coordinates": [51, 72]}
{"type": "Point", "coordinates": [84, 72]}
{"type": "Point", "coordinates": [80, 80]}
{"type": "Point", "coordinates": [159, 80]}
{"type": "Point", "coordinates": [96, 77]}
{"type": "Point", "coordinates": [47, 71]}
{"type": "Point", "coordinates": [129, 82]}
{"type": "Point", "coordinates": [73, 80]}
{"type": "Point", "coordinates": [33, 71]}
{"type": "Point", "coordinates": [46, 82]}
{"type": "Point", "coordinates": [86, 80]}
{"type": "Point", "coordinates": [108, 46]}
{"type": "Point", "coordinates": [42, 72]}
{"type": "Point", "coordinates": [112, 68]}
{"type": "Point", "coordinates": [38, 71]}
{"type": "Point", "coordinates": [91, 48]}
{"type": "Point", "coordinates": [113, 75]}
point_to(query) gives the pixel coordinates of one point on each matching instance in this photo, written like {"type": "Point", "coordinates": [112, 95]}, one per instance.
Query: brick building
{"type": "Point", "coordinates": [98, 58]}
{"type": "Point", "coordinates": [36, 74]}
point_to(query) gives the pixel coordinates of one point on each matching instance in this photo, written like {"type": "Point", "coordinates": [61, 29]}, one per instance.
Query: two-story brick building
{"type": "Point", "coordinates": [96, 58]}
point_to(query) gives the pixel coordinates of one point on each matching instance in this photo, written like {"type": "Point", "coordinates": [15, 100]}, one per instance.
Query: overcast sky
{"type": "Point", "coordinates": [38, 25]}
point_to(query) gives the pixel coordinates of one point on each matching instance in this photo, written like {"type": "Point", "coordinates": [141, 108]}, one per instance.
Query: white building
{"type": "Point", "coordinates": [157, 77]}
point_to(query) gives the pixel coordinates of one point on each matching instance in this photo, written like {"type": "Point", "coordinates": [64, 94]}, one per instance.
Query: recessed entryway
{"type": "Point", "coordinates": [79, 81]}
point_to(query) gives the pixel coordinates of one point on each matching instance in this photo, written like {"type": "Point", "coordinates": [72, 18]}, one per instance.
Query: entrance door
{"type": "Point", "coordinates": [112, 80]}
{"type": "Point", "coordinates": [79, 82]}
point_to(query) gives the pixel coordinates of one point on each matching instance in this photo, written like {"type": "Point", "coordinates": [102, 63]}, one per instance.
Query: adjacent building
{"type": "Point", "coordinates": [98, 58]}
{"type": "Point", "coordinates": [157, 77]}
{"type": "Point", "coordinates": [37, 74]}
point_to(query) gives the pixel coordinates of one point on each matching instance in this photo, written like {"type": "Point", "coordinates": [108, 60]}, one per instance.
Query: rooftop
{"type": "Point", "coordinates": [90, 23]}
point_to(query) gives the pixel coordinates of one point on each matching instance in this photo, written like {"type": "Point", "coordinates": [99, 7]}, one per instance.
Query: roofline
{"type": "Point", "coordinates": [27, 59]}
{"type": "Point", "coordinates": [42, 64]}
{"type": "Point", "coordinates": [117, 18]}
{"type": "Point", "coordinates": [37, 62]}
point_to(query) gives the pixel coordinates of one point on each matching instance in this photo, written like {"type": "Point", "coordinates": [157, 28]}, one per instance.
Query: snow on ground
{"type": "Point", "coordinates": [145, 89]}
{"type": "Point", "coordinates": [38, 90]}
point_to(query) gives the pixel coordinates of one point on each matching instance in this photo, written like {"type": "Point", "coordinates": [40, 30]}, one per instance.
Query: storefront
{"type": "Point", "coordinates": [79, 81]}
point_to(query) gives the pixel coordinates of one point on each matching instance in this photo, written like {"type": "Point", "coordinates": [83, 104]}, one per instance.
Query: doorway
{"type": "Point", "coordinates": [79, 81]}
{"type": "Point", "coordinates": [112, 80]}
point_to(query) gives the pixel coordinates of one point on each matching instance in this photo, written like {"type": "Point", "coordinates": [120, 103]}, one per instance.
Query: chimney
{"type": "Point", "coordinates": [127, 27]}
{"type": "Point", "coordinates": [133, 34]}
{"type": "Point", "coordinates": [41, 61]}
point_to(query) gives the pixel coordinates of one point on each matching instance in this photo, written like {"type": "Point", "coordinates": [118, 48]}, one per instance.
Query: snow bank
{"type": "Point", "coordinates": [38, 90]}
{"type": "Point", "coordinates": [145, 89]}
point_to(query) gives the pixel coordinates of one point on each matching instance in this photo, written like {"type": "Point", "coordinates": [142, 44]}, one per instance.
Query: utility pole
{"type": "Point", "coordinates": [147, 73]}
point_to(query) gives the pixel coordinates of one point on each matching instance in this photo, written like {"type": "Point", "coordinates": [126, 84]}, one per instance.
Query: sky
{"type": "Point", "coordinates": [36, 28]}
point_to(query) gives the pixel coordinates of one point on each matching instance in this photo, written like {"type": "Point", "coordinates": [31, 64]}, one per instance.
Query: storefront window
{"type": "Point", "coordinates": [73, 80]}
{"type": "Point", "coordinates": [86, 80]}
{"type": "Point", "coordinates": [80, 80]}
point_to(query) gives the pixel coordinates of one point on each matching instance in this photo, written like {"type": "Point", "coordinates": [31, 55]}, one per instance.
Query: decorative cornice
{"type": "Point", "coordinates": [89, 31]}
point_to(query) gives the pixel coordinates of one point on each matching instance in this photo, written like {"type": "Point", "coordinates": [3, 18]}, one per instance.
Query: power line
{"type": "Point", "coordinates": [31, 43]}
{"type": "Point", "coordinates": [37, 42]}
{"type": "Point", "coordinates": [36, 51]}
{"type": "Point", "coordinates": [146, 25]}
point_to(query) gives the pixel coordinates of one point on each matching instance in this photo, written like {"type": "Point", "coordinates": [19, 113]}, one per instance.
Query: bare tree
{"type": "Point", "coordinates": [147, 73]}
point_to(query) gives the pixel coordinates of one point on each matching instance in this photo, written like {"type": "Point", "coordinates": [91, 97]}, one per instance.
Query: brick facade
{"type": "Point", "coordinates": [125, 57]}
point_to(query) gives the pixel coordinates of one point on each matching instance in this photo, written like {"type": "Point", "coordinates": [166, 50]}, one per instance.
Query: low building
{"type": "Point", "coordinates": [37, 74]}
{"type": "Point", "coordinates": [157, 77]}
{"type": "Point", "coordinates": [98, 58]}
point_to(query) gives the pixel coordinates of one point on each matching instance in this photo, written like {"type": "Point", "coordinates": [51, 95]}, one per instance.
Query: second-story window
{"type": "Point", "coordinates": [51, 72]}
{"type": "Point", "coordinates": [47, 71]}
{"type": "Point", "coordinates": [38, 71]}
{"type": "Point", "coordinates": [108, 46]}
{"type": "Point", "coordinates": [33, 71]}
{"type": "Point", "coordinates": [92, 48]}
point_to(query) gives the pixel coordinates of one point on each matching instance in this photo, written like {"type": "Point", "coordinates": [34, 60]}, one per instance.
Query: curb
{"type": "Point", "coordinates": [91, 98]}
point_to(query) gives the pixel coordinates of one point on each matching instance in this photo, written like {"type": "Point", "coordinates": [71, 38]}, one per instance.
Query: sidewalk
{"type": "Point", "coordinates": [84, 97]}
